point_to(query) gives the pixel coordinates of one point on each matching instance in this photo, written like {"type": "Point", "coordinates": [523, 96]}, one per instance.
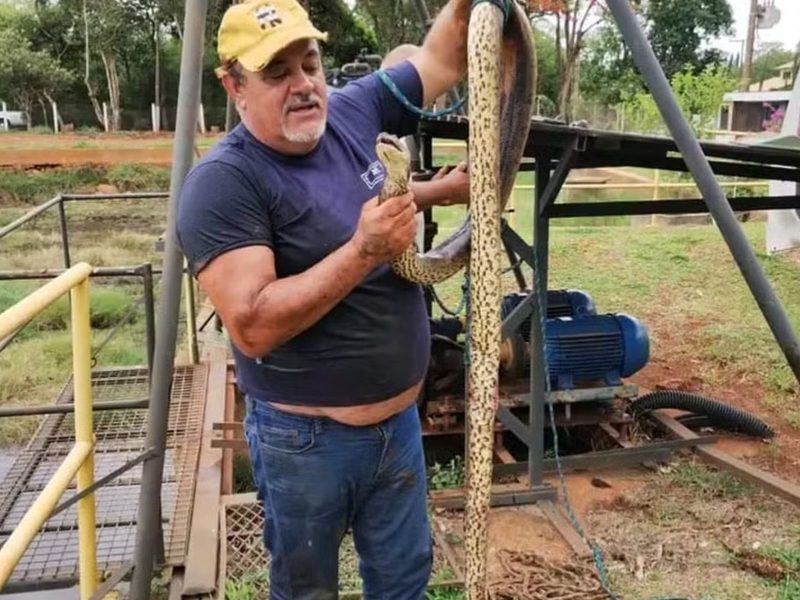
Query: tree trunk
{"type": "Point", "coordinates": [110, 64]}
{"type": "Point", "coordinates": [58, 113]}
{"type": "Point", "coordinates": [559, 61]}
{"type": "Point", "coordinates": [44, 113]}
{"type": "Point", "coordinates": [25, 102]}
{"type": "Point", "coordinates": [98, 110]}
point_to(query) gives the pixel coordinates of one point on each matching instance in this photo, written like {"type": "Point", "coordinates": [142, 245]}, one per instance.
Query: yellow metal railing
{"type": "Point", "coordinates": [80, 460]}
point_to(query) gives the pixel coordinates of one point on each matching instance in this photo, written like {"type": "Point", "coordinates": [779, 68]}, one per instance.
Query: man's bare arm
{"type": "Point", "coordinates": [442, 60]}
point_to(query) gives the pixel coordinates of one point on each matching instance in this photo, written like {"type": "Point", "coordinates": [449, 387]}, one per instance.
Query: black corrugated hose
{"type": "Point", "coordinates": [721, 414]}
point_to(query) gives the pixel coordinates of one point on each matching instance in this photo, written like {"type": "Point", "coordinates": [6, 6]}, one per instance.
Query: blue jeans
{"type": "Point", "coordinates": [318, 479]}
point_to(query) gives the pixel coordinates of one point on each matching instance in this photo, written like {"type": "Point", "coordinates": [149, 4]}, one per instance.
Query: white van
{"type": "Point", "coordinates": [10, 119]}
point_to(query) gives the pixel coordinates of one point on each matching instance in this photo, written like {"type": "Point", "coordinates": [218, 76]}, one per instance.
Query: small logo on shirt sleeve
{"type": "Point", "coordinates": [374, 174]}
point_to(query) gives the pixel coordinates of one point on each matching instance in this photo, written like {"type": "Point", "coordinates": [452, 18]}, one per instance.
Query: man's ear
{"type": "Point", "coordinates": [231, 85]}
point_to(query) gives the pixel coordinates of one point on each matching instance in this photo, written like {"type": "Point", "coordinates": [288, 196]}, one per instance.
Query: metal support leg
{"type": "Point", "coordinates": [62, 220]}
{"type": "Point", "coordinates": [148, 528]}
{"type": "Point", "coordinates": [149, 316]}
{"type": "Point", "coordinates": [540, 239]}
{"type": "Point", "coordinates": [698, 164]}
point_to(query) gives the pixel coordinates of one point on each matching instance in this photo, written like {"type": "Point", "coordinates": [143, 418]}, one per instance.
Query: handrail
{"type": "Point", "coordinates": [80, 459]}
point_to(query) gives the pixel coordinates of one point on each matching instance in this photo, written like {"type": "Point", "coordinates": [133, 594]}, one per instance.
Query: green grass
{"type": "Point", "coordinates": [247, 587]}
{"type": "Point", "coordinates": [108, 306]}
{"type": "Point", "coordinates": [445, 593]}
{"type": "Point", "coordinates": [21, 186]}
{"type": "Point", "coordinates": [789, 588]}
{"type": "Point", "coordinates": [709, 482]}
{"type": "Point", "coordinates": [132, 178]}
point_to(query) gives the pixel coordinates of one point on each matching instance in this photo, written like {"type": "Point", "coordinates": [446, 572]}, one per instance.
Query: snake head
{"type": "Point", "coordinates": [392, 153]}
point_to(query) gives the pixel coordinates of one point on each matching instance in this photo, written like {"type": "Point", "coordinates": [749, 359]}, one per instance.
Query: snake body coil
{"type": "Point", "coordinates": [502, 80]}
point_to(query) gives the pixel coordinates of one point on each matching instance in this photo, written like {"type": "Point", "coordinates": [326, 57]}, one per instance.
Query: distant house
{"type": "Point", "coordinates": [783, 81]}
{"type": "Point", "coordinates": [761, 108]}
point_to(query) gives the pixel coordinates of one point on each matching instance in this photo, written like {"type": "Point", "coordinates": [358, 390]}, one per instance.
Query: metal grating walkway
{"type": "Point", "coordinates": [244, 563]}
{"type": "Point", "coordinates": [121, 435]}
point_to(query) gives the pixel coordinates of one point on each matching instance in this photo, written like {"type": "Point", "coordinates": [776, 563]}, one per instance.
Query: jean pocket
{"type": "Point", "coordinates": [288, 440]}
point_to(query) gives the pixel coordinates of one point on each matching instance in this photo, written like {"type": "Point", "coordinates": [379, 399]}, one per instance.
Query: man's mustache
{"type": "Point", "coordinates": [300, 102]}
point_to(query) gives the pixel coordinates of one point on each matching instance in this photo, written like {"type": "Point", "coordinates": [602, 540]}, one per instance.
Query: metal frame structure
{"type": "Point", "coordinates": [80, 460]}
{"type": "Point", "coordinates": [59, 202]}
{"type": "Point", "coordinates": [553, 150]}
{"type": "Point", "coordinates": [556, 149]}
{"type": "Point", "coordinates": [145, 271]}
{"type": "Point", "coordinates": [148, 530]}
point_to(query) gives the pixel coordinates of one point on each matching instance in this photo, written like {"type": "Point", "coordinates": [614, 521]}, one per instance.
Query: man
{"type": "Point", "coordinates": [281, 226]}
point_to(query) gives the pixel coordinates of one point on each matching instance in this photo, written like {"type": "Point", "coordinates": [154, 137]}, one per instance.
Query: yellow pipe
{"type": "Point", "coordinates": [191, 316]}
{"type": "Point", "coordinates": [40, 510]}
{"type": "Point", "coordinates": [84, 434]}
{"type": "Point", "coordinates": [27, 308]}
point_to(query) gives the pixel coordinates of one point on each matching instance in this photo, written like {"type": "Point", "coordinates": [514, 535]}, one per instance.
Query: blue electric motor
{"type": "Point", "coordinates": [560, 303]}
{"type": "Point", "coordinates": [595, 348]}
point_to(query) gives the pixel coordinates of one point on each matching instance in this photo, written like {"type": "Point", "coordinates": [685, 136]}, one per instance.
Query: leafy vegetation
{"type": "Point", "coordinates": [450, 475]}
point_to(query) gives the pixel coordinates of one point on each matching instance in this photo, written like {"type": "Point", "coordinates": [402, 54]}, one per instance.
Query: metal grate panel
{"type": "Point", "coordinates": [121, 436]}
{"type": "Point", "coordinates": [246, 563]}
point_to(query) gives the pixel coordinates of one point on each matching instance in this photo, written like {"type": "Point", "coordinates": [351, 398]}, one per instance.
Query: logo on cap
{"type": "Point", "coordinates": [267, 14]}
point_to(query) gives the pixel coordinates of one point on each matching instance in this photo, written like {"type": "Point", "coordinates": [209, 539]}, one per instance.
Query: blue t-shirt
{"type": "Point", "coordinates": [373, 344]}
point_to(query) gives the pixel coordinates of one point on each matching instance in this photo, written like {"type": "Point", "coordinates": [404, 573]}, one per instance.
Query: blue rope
{"type": "Point", "coordinates": [401, 98]}
{"type": "Point", "coordinates": [462, 303]}
{"type": "Point", "coordinates": [503, 5]}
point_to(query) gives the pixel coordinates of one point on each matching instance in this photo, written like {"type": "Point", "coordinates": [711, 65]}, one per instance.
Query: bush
{"type": "Point", "coordinates": [135, 178]}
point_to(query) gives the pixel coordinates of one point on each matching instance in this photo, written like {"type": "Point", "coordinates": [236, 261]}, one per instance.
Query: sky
{"type": "Point", "coordinates": [785, 31]}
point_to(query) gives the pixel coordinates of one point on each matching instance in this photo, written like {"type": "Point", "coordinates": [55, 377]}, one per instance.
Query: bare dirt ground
{"type": "Point", "coordinates": [69, 149]}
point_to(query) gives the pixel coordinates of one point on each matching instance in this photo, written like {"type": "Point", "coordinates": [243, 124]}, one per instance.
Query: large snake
{"type": "Point", "coordinates": [502, 81]}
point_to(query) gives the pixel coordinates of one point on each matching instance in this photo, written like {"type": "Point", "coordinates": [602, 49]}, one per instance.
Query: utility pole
{"type": "Point", "coordinates": [747, 63]}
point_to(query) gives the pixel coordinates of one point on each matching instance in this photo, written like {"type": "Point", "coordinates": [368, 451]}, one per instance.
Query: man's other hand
{"type": "Point", "coordinates": [456, 182]}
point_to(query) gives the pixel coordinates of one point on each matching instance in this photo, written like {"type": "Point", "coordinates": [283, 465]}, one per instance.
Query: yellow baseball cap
{"type": "Point", "coordinates": [253, 32]}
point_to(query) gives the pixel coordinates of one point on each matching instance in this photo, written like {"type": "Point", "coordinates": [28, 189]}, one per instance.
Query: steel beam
{"type": "Point", "coordinates": [149, 540]}
{"type": "Point", "coordinates": [548, 196]}
{"type": "Point", "coordinates": [602, 459]}
{"type": "Point", "coordinates": [698, 164]}
{"type": "Point", "coordinates": [20, 411]}
{"type": "Point", "coordinates": [538, 375]}
{"type": "Point", "coordinates": [667, 207]}
{"type": "Point", "coordinates": [454, 499]}
{"type": "Point", "coordinates": [769, 482]}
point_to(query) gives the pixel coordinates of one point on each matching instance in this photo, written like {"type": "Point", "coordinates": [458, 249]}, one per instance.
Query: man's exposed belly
{"type": "Point", "coordinates": [358, 416]}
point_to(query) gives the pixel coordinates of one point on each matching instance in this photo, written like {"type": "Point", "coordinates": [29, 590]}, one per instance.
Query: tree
{"type": "Point", "coordinates": [699, 96]}
{"type": "Point", "coordinates": [607, 71]}
{"type": "Point", "coordinates": [547, 76]}
{"type": "Point", "coordinates": [393, 21]}
{"type": "Point", "coordinates": [767, 59]}
{"type": "Point", "coordinates": [349, 34]}
{"type": "Point", "coordinates": [678, 29]}
{"type": "Point", "coordinates": [28, 76]}
{"type": "Point", "coordinates": [574, 19]}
